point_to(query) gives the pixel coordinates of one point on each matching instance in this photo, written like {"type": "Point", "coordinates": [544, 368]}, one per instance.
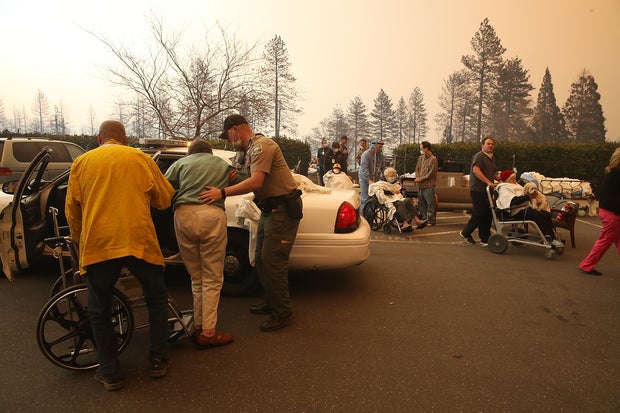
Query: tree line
{"type": "Point", "coordinates": [180, 91]}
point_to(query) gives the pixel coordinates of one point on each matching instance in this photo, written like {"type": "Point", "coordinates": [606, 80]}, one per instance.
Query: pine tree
{"type": "Point", "coordinates": [358, 120]}
{"type": "Point", "coordinates": [583, 112]}
{"type": "Point", "coordinates": [418, 117]}
{"type": "Point", "coordinates": [547, 121]}
{"type": "Point", "coordinates": [484, 65]}
{"type": "Point", "coordinates": [382, 125]}
{"type": "Point", "coordinates": [337, 125]}
{"type": "Point", "coordinates": [279, 78]}
{"type": "Point", "coordinates": [511, 107]}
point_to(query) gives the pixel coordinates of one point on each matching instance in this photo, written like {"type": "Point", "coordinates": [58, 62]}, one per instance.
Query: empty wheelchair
{"type": "Point", "coordinates": [64, 334]}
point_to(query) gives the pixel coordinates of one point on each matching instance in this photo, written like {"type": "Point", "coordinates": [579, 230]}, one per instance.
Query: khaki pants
{"type": "Point", "coordinates": [202, 238]}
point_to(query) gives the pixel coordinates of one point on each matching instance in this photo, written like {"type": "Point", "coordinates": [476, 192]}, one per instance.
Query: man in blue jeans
{"type": "Point", "coordinates": [425, 177]}
{"type": "Point", "coordinates": [108, 207]}
{"type": "Point", "coordinates": [372, 165]}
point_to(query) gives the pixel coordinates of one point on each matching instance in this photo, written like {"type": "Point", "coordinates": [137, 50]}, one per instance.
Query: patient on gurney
{"type": "Point", "coordinates": [512, 196]}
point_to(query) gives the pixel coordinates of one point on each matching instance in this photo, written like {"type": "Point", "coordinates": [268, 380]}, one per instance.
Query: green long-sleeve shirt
{"type": "Point", "coordinates": [190, 175]}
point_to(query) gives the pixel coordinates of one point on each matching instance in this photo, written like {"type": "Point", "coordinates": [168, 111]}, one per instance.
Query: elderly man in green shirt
{"type": "Point", "coordinates": [201, 233]}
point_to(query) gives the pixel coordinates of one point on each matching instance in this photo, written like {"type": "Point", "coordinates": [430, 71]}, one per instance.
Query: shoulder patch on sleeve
{"type": "Point", "coordinates": [257, 148]}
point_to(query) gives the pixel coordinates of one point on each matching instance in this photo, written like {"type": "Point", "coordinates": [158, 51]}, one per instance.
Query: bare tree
{"type": "Point", "coordinates": [58, 124]}
{"type": "Point", "coordinates": [40, 108]}
{"type": "Point", "coordinates": [3, 122]}
{"type": "Point", "coordinates": [19, 123]}
{"type": "Point", "coordinates": [92, 118]}
{"type": "Point", "coordinates": [191, 91]}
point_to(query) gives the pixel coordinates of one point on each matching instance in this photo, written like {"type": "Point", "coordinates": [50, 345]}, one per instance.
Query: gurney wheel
{"type": "Point", "coordinates": [549, 254]}
{"type": "Point", "coordinates": [498, 244]}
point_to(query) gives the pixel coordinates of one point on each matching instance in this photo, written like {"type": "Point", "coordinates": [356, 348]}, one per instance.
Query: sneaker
{"type": "Point", "coordinates": [591, 272]}
{"type": "Point", "coordinates": [218, 339]}
{"type": "Point", "coordinates": [484, 244]}
{"type": "Point", "coordinates": [110, 384]}
{"type": "Point", "coordinates": [275, 323]}
{"type": "Point", "coordinates": [556, 243]}
{"type": "Point", "coordinates": [467, 239]}
{"type": "Point", "coordinates": [159, 368]}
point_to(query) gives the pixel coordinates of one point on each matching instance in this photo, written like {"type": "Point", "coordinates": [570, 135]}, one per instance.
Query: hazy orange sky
{"type": "Point", "coordinates": [339, 49]}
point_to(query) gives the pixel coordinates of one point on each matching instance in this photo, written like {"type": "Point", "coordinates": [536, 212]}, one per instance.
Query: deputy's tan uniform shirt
{"type": "Point", "coordinates": [264, 155]}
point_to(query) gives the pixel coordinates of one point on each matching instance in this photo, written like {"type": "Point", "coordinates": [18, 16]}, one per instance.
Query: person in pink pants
{"type": "Point", "coordinates": [609, 212]}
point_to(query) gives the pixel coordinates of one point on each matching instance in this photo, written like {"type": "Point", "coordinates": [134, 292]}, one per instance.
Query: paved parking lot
{"type": "Point", "coordinates": [428, 323]}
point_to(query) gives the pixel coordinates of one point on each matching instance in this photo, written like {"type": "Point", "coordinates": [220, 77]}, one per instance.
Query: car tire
{"type": "Point", "coordinates": [239, 276]}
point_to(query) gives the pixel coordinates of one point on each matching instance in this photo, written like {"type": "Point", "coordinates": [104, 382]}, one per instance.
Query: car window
{"type": "Point", "coordinates": [63, 152]}
{"type": "Point", "coordinates": [25, 151]}
{"type": "Point", "coordinates": [60, 153]}
{"type": "Point", "coordinates": [74, 151]}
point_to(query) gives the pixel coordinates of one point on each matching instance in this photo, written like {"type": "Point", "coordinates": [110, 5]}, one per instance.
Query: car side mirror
{"type": "Point", "coordinates": [9, 187]}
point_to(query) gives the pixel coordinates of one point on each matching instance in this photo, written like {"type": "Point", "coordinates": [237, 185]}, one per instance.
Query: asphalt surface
{"type": "Point", "coordinates": [427, 323]}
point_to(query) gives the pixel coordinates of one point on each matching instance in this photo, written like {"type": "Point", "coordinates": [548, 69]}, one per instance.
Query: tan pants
{"type": "Point", "coordinates": [201, 234]}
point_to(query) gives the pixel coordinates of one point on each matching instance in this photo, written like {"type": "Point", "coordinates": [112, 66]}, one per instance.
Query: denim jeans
{"type": "Point", "coordinates": [363, 192]}
{"type": "Point", "coordinates": [101, 278]}
{"type": "Point", "coordinates": [426, 203]}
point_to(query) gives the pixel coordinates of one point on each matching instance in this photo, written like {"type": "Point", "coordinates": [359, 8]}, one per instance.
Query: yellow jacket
{"type": "Point", "coordinates": [108, 207]}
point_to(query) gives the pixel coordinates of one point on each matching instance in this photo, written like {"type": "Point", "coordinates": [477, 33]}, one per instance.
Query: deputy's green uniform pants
{"type": "Point", "coordinates": [275, 238]}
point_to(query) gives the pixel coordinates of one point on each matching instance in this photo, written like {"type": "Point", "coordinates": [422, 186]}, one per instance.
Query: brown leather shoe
{"type": "Point", "coordinates": [218, 339]}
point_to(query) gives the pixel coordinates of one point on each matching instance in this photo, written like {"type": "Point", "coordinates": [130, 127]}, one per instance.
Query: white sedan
{"type": "Point", "coordinates": [331, 234]}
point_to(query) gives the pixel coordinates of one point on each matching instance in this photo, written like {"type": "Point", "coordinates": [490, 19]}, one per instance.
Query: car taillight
{"type": "Point", "coordinates": [346, 219]}
{"type": "Point", "coordinates": [5, 171]}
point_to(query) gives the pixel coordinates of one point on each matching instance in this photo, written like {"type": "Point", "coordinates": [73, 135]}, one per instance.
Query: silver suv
{"type": "Point", "coordinates": [17, 153]}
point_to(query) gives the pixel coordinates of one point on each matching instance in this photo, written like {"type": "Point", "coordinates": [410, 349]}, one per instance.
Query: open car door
{"type": "Point", "coordinates": [23, 222]}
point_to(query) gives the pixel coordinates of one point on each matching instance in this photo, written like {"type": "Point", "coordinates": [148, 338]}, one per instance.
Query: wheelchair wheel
{"type": "Point", "coordinates": [374, 214]}
{"type": "Point", "coordinates": [64, 334]}
{"type": "Point", "coordinates": [498, 244]}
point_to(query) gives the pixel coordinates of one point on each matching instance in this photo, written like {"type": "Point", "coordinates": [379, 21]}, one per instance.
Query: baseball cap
{"type": "Point", "coordinates": [229, 122]}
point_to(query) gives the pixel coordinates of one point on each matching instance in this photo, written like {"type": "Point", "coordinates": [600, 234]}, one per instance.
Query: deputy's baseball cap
{"type": "Point", "coordinates": [229, 122]}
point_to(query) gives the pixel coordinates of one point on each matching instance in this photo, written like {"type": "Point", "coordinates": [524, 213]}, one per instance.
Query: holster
{"type": "Point", "coordinates": [291, 201]}
{"type": "Point", "coordinates": [294, 205]}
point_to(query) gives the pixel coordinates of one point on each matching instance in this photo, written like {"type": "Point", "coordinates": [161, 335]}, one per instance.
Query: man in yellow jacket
{"type": "Point", "coordinates": [108, 207]}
